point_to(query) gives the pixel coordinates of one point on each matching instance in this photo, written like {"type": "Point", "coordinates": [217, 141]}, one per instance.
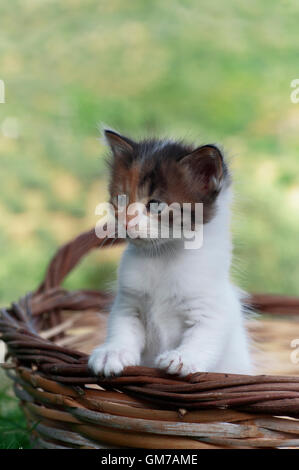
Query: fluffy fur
{"type": "Point", "coordinates": [175, 308]}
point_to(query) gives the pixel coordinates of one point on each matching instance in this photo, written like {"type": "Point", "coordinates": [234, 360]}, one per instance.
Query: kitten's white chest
{"type": "Point", "coordinates": [160, 300]}
{"type": "Point", "coordinates": [163, 323]}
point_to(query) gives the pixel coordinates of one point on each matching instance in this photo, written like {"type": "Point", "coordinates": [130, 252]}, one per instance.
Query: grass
{"type": "Point", "coordinates": [13, 430]}
{"type": "Point", "coordinates": [208, 71]}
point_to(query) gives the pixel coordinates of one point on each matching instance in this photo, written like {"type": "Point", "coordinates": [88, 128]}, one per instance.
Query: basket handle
{"type": "Point", "coordinates": [68, 256]}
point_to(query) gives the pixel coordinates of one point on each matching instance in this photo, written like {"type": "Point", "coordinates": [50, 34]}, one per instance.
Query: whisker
{"type": "Point", "coordinates": [113, 241]}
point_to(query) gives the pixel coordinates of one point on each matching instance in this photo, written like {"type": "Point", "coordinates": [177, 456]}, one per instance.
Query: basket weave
{"type": "Point", "coordinates": [49, 334]}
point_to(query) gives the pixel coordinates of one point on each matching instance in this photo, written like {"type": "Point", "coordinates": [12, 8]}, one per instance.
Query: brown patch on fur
{"type": "Point", "coordinates": [170, 172]}
{"type": "Point", "coordinates": [133, 182]}
{"type": "Point", "coordinates": [179, 186]}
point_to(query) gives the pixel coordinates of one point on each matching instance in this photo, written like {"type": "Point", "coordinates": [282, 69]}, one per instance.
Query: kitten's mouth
{"type": "Point", "coordinates": [140, 238]}
{"type": "Point", "coordinates": [146, 238]}
{"type": "Point", "coordinates": [151, 242]}
{"type": "Point", "coordinates": [156, 237]}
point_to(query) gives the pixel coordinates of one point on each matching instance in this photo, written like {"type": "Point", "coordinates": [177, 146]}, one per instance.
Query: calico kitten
{"type": "Point", "coordinates": [175, 308]}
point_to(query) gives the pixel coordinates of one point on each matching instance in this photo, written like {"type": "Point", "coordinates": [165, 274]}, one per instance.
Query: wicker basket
{"type": "Point", "coordinates": [49, 334]}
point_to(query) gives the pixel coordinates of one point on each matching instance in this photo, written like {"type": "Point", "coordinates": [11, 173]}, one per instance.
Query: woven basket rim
{"type": "Point", "coordinates": [21, 323]}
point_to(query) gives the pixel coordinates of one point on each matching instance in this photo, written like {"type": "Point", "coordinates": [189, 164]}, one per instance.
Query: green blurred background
{"type": "Point", "coordinates": [209, 71]}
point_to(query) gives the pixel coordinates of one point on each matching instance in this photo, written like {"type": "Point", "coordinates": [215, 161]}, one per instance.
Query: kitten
{"type": "Point", "coordinates": [175, 308]}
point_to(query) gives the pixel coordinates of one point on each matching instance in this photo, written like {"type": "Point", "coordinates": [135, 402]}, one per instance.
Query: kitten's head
{"type": "Point", "coordinates": [158, 173]}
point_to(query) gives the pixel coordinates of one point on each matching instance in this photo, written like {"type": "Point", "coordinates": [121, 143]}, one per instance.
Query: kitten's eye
{"type": "Point", "coordinates": [155, 206]}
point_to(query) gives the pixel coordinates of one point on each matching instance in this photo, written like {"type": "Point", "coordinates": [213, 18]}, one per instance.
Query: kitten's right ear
{"type": "Point", "coordinates": [119, 144]}
{"type": "Point", "coordinates": [205, 166]}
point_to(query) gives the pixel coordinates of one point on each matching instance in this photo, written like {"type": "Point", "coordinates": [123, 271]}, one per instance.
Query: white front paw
{"type": "Point", "coordinates": [177, 362]}
{"type": "Point", "coordinates": [108, 360]}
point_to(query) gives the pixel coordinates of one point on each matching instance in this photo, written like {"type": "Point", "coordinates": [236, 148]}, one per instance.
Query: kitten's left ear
{"type": "Point", "coordinates": [119, 144]}
{"type": "Point", "coordinates": [205, 166]}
